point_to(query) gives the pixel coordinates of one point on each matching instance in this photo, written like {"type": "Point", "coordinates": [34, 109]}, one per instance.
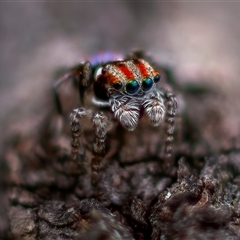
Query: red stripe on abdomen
{"type": "Point", "coordinates": [141, 66]}
{"type": "Point", "coordinates": [125, 70]}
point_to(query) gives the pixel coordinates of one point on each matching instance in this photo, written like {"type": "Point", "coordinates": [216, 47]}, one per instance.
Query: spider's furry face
{"type": "Point", "coordinates": [129, 86]}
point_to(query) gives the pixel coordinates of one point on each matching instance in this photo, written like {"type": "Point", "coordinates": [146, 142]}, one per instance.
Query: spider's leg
{"type": "Point", "coordinates": [171, 112]}
{"type": "Point", "coordinates": [80, 75]}
{"type": "Point", "coordinates": [101, 126]}
{"type": "Point", "coordinates": [75, 119]}
{"type": "Point", "coordinates": [55, 94]}
{"type": "Point", "coordinates": [136, 54]}
{"type": "Point", "coordinates": [85, 80]}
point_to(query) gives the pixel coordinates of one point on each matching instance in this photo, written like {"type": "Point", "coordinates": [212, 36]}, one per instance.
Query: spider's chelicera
{"type": "Point", "coordinates": [129, 88]}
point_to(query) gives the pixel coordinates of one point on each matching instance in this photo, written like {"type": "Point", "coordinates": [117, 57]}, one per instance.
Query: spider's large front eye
{"type": "Point", "coordinates": [132, 87]}
{"type": "Point", "coordinates": [147, 84]}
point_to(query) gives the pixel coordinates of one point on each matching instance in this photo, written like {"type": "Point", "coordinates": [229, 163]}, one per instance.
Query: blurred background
{"type": "Point", "coordinates": [199, 40]}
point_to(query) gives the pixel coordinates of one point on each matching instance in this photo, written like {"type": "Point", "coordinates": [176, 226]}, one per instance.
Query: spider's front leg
{"type": "Point", "coordinates": [171, 112]}
{"type": "Point", "coordinates": [101, 126]}
{"type": "Point", "coordinates": [154, 107]}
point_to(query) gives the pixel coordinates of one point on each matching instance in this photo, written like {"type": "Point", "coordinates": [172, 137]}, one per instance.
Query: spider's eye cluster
{"type": "Point", "coordinates": [133, 86]}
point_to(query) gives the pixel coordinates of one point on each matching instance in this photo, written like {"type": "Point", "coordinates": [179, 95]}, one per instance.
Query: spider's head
{"type": "Point", "coordinates": [127, 85]}
{"type": "Point", "coordinates": [133, 77]}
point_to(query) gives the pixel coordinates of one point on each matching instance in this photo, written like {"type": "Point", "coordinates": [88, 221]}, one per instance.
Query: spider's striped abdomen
{"type": "Point", "coordinates": [124, 71]}
{"type": "Point", "coordinates": [128, 76]}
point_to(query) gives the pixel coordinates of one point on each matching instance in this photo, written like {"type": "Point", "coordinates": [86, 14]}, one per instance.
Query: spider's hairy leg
{"type": "Point", "coordinates": [137, 54]}
{"type": "Point", "coordinates": [55, 86]}
{"type": "Point", "coordinates": [75, 117]}
{"type": "Point", "coordinates": [101, 127]}
{"type": "Point", "coordinates": [127, 111]}
{"type": "Point", "coordinates": [80, 75]}
{"type": "Point", "coordinates": [85, 80]}
{"type": "Point", "coordinates": [171, 112]}
{"type": "Point", "coordinates": [154, 107]}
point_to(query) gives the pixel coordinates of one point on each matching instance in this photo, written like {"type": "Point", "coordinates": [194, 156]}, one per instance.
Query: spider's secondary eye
{"type": "Point", "coordinates": [132, 87]}
{"type": "Point", "coordinates": [147, 84]}
{"type": "Point", "coordinates": [117, 85]}
{"type": "Point", "coordinates": [103, 70]}
{"type": "Point", "coordinates": [157, 78]}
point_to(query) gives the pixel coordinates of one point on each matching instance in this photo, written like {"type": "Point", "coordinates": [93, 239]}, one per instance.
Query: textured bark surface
{"type": "Point", "coordinates": [140, 195]}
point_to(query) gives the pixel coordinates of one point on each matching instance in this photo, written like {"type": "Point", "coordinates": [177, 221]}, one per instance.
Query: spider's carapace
{"type": "Point", "coordinates": [132, 77]}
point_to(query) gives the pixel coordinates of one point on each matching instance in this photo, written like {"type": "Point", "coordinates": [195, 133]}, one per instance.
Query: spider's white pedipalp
{"type": "Point", "coordinates": [127, 111]}
{"type": "Point", "coordinates": [154, 107]}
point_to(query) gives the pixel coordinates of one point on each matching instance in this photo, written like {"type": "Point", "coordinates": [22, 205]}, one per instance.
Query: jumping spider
{"type": "Point", "coordinates": [129, 89]}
